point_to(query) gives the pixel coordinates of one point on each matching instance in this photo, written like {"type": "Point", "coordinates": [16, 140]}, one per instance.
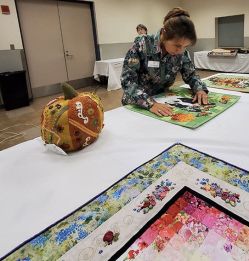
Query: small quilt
{"type": "Point", "coordinates": [186, 113]}
{"type": "Point", "coordinates": [229, 81]}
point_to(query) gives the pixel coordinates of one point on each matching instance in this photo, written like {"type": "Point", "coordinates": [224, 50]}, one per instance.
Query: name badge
{"type": "Point", "coordinates": [154, 64]}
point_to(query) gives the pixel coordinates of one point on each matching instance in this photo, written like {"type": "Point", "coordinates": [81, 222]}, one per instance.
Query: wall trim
{"type": "Point", "coordinates": [56, 88]}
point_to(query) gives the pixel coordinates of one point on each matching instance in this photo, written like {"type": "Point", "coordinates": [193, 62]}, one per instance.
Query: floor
{"type": "Point", "coordinates": [17, 126]}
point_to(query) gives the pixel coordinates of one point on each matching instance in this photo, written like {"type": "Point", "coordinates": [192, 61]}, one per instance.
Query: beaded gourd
{"type": "Point", "coordinates": [72, 122]}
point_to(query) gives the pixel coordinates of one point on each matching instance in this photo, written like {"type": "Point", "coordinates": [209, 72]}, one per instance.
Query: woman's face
{"type": "Point", "coordinates": [176, 46]}
{"type": "Point", "coordinates": [141, 31]}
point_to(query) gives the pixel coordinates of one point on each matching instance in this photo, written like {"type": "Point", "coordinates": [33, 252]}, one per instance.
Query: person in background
{"type": "Point", "coordinates": [141, 29]}
{"type": "Point", "coordinates": [152, 63]}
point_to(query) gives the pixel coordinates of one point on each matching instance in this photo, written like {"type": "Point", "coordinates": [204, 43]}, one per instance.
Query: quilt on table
{"type": "Point", "coordinates": [174, 205]}
{"type": "Point", "coordinates": [185, 113]}
{"type": "Point", "coordinates": [229, 81]}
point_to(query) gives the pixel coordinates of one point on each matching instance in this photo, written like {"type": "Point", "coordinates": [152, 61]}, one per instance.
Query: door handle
{"type": "Point", "coordinates": [68, 54]}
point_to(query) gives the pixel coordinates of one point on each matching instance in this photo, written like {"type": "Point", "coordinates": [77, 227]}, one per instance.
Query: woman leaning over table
{"type": "Point", "coordinates": [151, 65]}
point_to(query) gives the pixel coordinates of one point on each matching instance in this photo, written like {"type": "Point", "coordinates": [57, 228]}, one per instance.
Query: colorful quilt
{"type": "Point", "coordinates": [181, 205]}
{"type": "Point", "coordinates": [187, 114]}
{"type": "Point", "coordinates": [229, 81]}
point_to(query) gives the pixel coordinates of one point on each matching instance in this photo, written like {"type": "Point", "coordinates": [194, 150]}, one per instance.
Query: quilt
{"type": "Point", "coordinates": [181, 205]}
{"type": "Point", "coordinates": [186, 113]}
{"type": "Point", "coordinates": [229, 81]}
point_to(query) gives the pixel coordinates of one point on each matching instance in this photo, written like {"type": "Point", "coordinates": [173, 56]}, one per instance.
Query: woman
{"type": "Point", "coordinates": [141, 29]}
{"type": "Point", "coordinates": [151, 65]}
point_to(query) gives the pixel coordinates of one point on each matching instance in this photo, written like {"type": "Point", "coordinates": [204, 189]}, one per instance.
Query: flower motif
{"type": "Point", "coordinates": [110, 237]}
{"type": "Point", "coordinates": [216, 191]}
{"type": "Point", "coordinates": [224, 99]}
{"type": "Point", "coordinates": [228, 247]}
{"type": "Point", "coordinates": [159, 193]}
{"type": "Point", "coordinates": [183, 117]}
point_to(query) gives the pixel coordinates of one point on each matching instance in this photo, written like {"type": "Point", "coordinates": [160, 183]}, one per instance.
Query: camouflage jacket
{"type": "Point", "coordinates": [146, 71]}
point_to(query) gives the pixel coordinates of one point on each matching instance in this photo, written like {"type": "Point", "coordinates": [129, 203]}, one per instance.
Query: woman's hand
{"type": "Point", "coordinates": [201, 97]}
{"type": "Point", "coordinates": [161, 109]}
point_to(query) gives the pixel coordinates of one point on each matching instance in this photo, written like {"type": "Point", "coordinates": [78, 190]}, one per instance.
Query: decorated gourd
{"type": "Point", "coordinates": [72, 122]}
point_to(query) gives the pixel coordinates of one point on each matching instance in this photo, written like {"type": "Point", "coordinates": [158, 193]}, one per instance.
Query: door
{"type": "Point", "coordinates": [77, 34]}
{"type": "Point", "coordinates": [58, 40]}
{"type": "Point", "coordinates": [42, 41]}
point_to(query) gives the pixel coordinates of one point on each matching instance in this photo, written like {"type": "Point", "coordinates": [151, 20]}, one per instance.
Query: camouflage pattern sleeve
{"type": "Point", "coordinates": [134, 64]}
{"type": "Point", "coordinates": [189, 76]}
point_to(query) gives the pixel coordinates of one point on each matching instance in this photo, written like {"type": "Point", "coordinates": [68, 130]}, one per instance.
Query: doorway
{"type": "Point", "coordinates": [59, 42]}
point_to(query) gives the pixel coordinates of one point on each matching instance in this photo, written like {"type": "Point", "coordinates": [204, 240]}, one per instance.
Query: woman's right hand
{"type": "Point", "coordinates": [161, 109]}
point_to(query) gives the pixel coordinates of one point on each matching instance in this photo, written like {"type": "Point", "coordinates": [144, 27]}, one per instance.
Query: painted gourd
{"type": "Point", "coordinates": [72, 122]}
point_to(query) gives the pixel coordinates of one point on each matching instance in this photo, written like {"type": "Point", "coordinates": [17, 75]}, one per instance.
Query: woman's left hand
{"type": "Point", "coordinates": [201, 97]}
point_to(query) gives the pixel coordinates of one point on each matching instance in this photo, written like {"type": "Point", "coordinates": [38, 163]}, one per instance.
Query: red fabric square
{"type": "Point", "coordinates": [5, 9]}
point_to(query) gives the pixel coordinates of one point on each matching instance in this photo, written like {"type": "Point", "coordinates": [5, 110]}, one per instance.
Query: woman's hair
{"type": "Point", "coordinates": [177, 24]}
{"type": "Point", "coordinates": [141, 26]}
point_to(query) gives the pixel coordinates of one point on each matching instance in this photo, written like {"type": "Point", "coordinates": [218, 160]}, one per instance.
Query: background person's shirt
{"type": "Point", "coordinates": [146, 71]}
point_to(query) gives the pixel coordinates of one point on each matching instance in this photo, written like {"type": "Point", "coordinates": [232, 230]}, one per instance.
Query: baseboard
{"type": "Point", "coordinates": [56, 88]}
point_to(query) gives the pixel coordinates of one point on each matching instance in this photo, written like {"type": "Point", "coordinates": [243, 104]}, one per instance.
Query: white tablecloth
{"type": "Point", "coordinates": [112, 69]}
{"type": "Point", "coordinates": [38, 187]}
{"type": "Point", "coordinates": [238, 64]}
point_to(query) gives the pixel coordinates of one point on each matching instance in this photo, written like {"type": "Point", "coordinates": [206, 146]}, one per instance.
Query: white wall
{"type": "Point", "coordinates": [117, 19]}
{"type": "Point", "coordinates": [203, 14]}
{"type": "Point", "coordinates": [9, 27]}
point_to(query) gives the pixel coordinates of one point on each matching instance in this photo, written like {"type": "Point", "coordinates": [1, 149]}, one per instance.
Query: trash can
{"type": "Point", "coordinates": [14, 90]}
